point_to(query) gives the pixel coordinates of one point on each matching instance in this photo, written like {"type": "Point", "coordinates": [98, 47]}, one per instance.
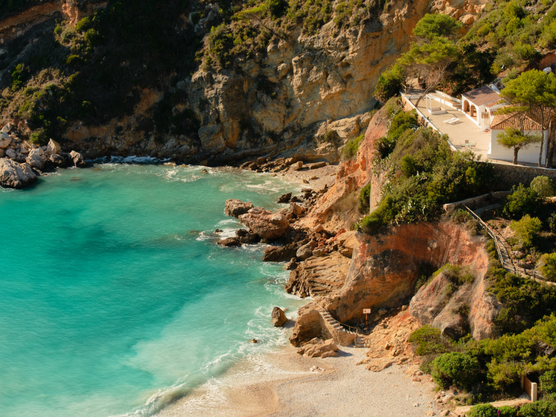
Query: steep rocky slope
{"type": "Point", "coordinates": [385, 266]}
{"type": "Point", "coordinates": [304, 94]}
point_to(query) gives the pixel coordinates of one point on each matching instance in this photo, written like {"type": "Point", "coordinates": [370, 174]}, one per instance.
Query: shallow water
{"type": "Point", "coordinates": [114, 298]}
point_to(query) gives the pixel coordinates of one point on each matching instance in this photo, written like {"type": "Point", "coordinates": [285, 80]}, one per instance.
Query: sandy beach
{"type": "Point", "coordinates": [284, 384]}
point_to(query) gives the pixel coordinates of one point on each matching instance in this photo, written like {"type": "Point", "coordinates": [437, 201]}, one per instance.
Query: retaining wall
{"type": "Point", "coordinates": [518, 174]}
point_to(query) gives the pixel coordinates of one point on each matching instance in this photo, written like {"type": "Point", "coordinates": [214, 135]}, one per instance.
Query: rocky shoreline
{"type": "Point", "coordinates": [21, 163]}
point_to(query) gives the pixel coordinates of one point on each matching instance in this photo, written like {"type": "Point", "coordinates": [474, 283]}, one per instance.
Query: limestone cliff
{"type": "Point", "coordinates": [305, 95]}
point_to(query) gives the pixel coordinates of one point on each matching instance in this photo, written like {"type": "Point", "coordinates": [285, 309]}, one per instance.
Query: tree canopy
{"type": "Point", "coordinates": [516, 139]}
{"type": "Point", "coordinates": [533, 93]}
{"type": "Point", "coordinates": [428, 58]}
{"type": "Point", "coordinates": [432, 26]}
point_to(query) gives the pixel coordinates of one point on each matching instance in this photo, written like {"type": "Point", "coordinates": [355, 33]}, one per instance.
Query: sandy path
{"type": "Point", "coordinates": [281, 384]}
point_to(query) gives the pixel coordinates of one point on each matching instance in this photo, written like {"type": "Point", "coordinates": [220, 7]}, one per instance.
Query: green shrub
{"type": "Point", "coordinates": [538, 409]}
{"type": "Point", "coordinates": [384, 213]}
{"type": "Point", "coordinates": [390, 83]}
{"type": "Point", "coordinates": [543, 186]}
{"type": "Point", "coordinates": [526, 230]}
{"type": "Point", "coordinates": [483, 410]}
{"type": "Point", "coordinates": [548, 382]}
{"type": "Point", "coordinates": [548, 266]}
{"type": "Point", "coordinates": [364, 199]}
{"type": "Point", "coordinates": [408, 166]}
{"type": "Point", "coordinates": [552, 222]}
{"type": "Point", "coordinates": [20, 75]}
{"type": "Point", "coordinates": [426, 340]}
{"type": "Point", "coordinates": [84, 24]}
{"type": "Point", "coordinates": [39, 137]}
{"type": "Point", "coordinates": [522, 201]}
{"type": "Point", "coordinates": [351, 147]}
{"type": "Point", "coordinates": [454, 368]}
{"type": "Point", "coordinates": [508, 411]}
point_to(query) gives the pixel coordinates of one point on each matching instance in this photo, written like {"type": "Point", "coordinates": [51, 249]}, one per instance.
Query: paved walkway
{"type": "Point", "coordinates": [459, 132]}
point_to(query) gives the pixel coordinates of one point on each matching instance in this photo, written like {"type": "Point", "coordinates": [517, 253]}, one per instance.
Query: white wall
{"type": "Point", "coordinates": [530, 154]}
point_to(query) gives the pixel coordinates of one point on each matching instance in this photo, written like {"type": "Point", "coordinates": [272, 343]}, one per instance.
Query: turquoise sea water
{"type": "Point", "coordinates": [114, 298]}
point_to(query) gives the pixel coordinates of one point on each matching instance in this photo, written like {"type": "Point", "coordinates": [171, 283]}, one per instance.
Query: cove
{"type": "Point", "coordinates": [114, 298]}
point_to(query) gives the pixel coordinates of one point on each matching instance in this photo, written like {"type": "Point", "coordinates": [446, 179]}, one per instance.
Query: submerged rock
{"type": "Point", "coordinates": [15, 175]}
{"type": "Point", "coordinates": [229, 241]}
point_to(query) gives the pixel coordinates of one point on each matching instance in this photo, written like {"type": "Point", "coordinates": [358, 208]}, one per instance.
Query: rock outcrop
{"type": "Point", "coordinates": [385, 267]}
{"type": "Point", "coordinates": [278, 317]}
{"type": "Point", "coordinates": [318, 276]}
{"type": "Point", "coordinates": [266, 224]}
{"type": "Point", "coordinates": [15, 175]}
{"type": "Point", "coordinates": [234, 207]}
{"type": "Point", "coordinates": [319, 348]}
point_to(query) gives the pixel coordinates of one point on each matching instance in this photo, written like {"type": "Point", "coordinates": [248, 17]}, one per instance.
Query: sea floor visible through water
{"type": "Point", "coordinates": [115, 299]}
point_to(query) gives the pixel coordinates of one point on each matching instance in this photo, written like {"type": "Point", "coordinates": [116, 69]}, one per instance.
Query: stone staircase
{"type": "Point", "coordinates": [340, 332]}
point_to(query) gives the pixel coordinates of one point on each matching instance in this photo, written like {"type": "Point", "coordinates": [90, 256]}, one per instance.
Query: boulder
{"type": "Point", "coordinates": [297, 166]}
{"type": "Point", "coordinates": [10, 153]}
{"type": "Point", "coordinates": [305, 251]}
{"type": "Point", "coordinates": [77, 159]}
{"type": "Point", "coordinates": [15, 175]}
{"type": "Point", "coordinates": [279, 253]}
{"type": "Point", "coordinates": [5, 141]}
{"type": "Point", "coordinates": [229, 241]}
{"type": "Point", "coordinates": [266, 224]}
{"type": "Point", "coordinates": [319, 348]}
{"type": "Point", "coordinates": [246, 236]}
{"type": "Point", "coordinates": [235, 208]}
{"type": "Point", "coordinates": [278, 317]}
{"type": "Point", "coordinates": [296, 209]}
{"type": "Point", "coordinates": [36, 159]}
{"type": "Point", "coordinates": [53, 147]}
{"type": "Point", "coordinates": [285, 198]}
{"type": "Point", "coordinates": [307, 326]}
{"type": "Point", "coordinates": [58, 161]}
{"type": "Point", "coordinates": [7, 128]}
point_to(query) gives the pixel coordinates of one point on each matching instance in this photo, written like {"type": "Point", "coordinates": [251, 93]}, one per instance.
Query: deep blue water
{"type": "Point", "coordinates": [114, 298]}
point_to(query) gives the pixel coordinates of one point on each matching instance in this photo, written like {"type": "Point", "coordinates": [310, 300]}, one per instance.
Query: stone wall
{"type": "Point", "coordinates": [518, 174]}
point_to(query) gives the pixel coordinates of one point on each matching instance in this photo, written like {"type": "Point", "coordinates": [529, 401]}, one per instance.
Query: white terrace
{"type": "Point", "coordinates": [468, 123]}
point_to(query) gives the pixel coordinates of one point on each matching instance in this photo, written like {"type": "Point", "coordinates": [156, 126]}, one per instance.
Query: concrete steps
{"type": "Point", "coordinates": [359, 341]}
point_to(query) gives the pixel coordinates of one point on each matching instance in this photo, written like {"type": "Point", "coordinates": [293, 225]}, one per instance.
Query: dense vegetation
{"type": "Point", "coordinates": [96, 70]}
{"type": "Point", "coordinates": [423, 173]}
{"type": "Point", "coordinates": [489, 369]}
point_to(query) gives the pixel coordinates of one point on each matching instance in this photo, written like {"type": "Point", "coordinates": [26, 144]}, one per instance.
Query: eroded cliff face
{"type": "Point", "coordinates": [279, 103]}
{"type": "Point", "coordinates": [384, 267]}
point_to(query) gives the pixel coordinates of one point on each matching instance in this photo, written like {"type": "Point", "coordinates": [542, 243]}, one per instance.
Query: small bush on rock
{"type": "Point", "coordinates": [351, 147]}
{"type": "Point", "coordinates": [364, 199]}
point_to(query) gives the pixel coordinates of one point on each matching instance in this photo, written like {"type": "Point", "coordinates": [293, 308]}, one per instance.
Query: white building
{"type": "Point", "coordinates": [529, 154]}
{"type": "Point", "coordinates": [480, 104]}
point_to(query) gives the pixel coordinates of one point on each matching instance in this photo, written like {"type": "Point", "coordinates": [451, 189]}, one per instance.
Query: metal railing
{"type": "Point", "coordinates": [504, 255]}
